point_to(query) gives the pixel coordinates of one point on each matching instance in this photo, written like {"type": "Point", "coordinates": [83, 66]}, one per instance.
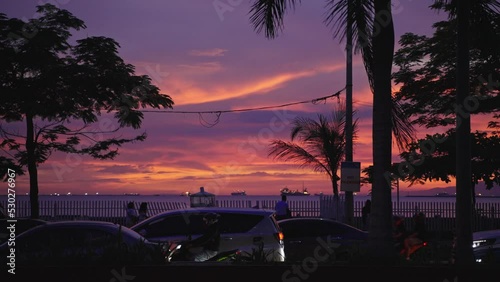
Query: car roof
{"type": "Point", "coordinates": [80, 224]}
{"type": "Point", "coordinates": [298, 219]}
{"type": "Point", "coordinates": [294, 219]}
{"type": "Point", "coordinates": [486, 234]}
{"type": "Point", "coordinates": [105, 225]}
{"type": "Point", "coordinates": [221, 210]}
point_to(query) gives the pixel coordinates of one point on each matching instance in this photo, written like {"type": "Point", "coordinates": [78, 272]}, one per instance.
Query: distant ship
{"type": "Point", "coordinates": [186, 194]}
{"type": "Point", "coordinates": [444, 194]}
{"type": "Point", "coordinates": [239, 193]}
{"type": "Point", "coordinates": [286, 191]}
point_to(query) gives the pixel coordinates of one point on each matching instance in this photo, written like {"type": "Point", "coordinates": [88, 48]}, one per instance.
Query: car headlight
{"type": "Point", "coordinates": [478, 243]}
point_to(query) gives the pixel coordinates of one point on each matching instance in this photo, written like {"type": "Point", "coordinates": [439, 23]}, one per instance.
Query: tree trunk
{"type": "Point", "coordinates": [32, 169]}
{"type": "Point", "coordinates": [464, 255]}
{"type": "Point", "coordinates": [381, 244]}
{"type": "Point", "coordinates": [335, 186]}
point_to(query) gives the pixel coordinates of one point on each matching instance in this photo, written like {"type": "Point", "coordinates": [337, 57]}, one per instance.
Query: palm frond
{"type": "Point", "coordinates": [402, 129]}
{"type": "Point", "coordinates": [359, 16]}
{"type": "Point", "coordinates": [268, 15]}
{"type": "Point", "coordinates": [288, 151]}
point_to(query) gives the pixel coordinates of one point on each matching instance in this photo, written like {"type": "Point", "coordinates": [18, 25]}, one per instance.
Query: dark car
{"type": "Point", "coordinates": [10, 228]}
{"type": "Point", "coordinates": [486, 246]}
{"type": "Point", "coordinates": [488, 255]}
{"type": "Point", "coordinates": [81, 243]}
{"type": "Point", "coordinates": [320, 239]}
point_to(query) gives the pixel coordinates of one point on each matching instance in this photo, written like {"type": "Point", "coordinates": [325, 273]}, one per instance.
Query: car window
{"type": "Point", "coordinates": [308, 228]}
{"type": "Point", "coordinates": [36, 241]}
{"type": "Point", "coordinates": [173, 225]}
{"type": "Point", "coordinates": [238, 223]}
{"type": "Point", "coordinates": [101, 238]}
{"type": "Point", "coordinates": [291, 229]}
{"type": "Point", "coordinates": [167, 226]}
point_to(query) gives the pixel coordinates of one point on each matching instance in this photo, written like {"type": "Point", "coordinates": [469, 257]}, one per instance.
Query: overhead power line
{"type": "Point", "coordinates": [219, 112]}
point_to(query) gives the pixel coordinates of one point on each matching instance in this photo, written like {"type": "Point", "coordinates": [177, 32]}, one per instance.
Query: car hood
{"type": "Point", "coordinates": [487, 234]}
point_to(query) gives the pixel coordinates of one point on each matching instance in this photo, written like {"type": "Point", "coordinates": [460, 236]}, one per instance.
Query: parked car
{"type": "Point", "coordinates": [485, 238]}
{"type": "Point", "coordinates": [19, 226]}
{"type": "Point", "coordinates": [253, 231]}
{"type": "Point", "coordinates": [81, 243]}
{"type": "Point", "coordinates": [322, 239]}
{"type": "Point", "coordinates": [486, 246]}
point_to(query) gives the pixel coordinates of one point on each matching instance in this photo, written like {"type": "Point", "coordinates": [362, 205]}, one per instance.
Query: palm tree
{"type": "Point", "coordinates": [373, 33]}
{"type": "Point", "coordinates": [319, 144]}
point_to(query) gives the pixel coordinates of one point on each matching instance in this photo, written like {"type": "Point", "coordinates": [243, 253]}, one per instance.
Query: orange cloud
{"type": "Point", "coordinates": [186, 91]}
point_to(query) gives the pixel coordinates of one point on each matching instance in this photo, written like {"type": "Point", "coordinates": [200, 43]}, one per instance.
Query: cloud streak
{"type": "Point", "coordinates": [216, 52]}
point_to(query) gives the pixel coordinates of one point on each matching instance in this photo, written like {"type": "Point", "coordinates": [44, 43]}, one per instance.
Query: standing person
{"type": "Point", "coordinates": [399, 233]}
{"type": "Point", "coordinates": [419, 235]}
{"type": "Point", "coordinates": [132, 215]}
{"type": "Point", "coordinates": [282, 209]}
{"type": "Point", "coordinates": [365, 214]}
{"type": "Point", "coordinates": [143, 211]}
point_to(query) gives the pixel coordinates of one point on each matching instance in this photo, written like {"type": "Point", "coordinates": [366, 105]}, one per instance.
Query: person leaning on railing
{"type": "Point", "coordinates": [282, 209]}
{"type": "Point", "coordinates": [132, 216]}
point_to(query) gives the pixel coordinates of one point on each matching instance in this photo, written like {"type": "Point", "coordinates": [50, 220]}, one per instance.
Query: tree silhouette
{"type": "Point", "coordinates": [433, 157]}
{"type": "Point", "coordinates": [317, 144]}
{"type": "Point", "coordinates": [427, 70]}
{"type": "Point", "coordinates": [459, 79]}
{"type": "Point", "coordinates": [59, 91]}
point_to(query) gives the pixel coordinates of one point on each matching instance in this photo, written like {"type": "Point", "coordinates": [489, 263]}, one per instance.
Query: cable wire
{"type": "Point", "coordinates": [218, 113]}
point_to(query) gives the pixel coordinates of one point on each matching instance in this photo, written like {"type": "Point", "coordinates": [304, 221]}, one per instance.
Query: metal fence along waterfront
{"type": "Point", "coordinates": [439, 215]}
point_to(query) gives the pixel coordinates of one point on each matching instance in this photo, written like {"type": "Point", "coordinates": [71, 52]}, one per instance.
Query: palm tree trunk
{"type": "Point", "coordinates": [464, 255]}
{"type": "Point", "coordinates": [381, 244]}
{"type": "Point", "coordinates": [32, 169]}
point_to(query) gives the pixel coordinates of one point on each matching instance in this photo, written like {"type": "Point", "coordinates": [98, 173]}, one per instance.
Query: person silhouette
{"type": "Point", "coordinates": [207, 245]}
{"type": "Point", "coordinates": [365, 214]}
{"type": "Point", "coordinates": [143, 211]}
{"type": "Point", "coordinates": [419, 235]}
{"type": "Point", "coordinates": [282, 209]}
{"type": "Point", "coordinates": [132, 215]}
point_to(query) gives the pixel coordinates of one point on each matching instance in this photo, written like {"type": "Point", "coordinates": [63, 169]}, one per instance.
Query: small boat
{"type": "Point", "coordinates": [239, 193]}
{"type": "Point", "coordinates": [187, 194]}
{"type": "Point", "coordinates": [288, 192]}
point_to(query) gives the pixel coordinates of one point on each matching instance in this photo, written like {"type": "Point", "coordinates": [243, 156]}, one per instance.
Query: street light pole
{"type": "Point", "coordinates": [349, 198]}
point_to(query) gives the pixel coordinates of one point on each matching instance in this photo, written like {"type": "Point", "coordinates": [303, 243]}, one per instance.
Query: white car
{"type": "Point", "coordinates": [253, 231]}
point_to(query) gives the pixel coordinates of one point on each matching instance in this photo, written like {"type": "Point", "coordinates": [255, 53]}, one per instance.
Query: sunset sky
{"type": "Point", "coordinates": [212, 60]}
